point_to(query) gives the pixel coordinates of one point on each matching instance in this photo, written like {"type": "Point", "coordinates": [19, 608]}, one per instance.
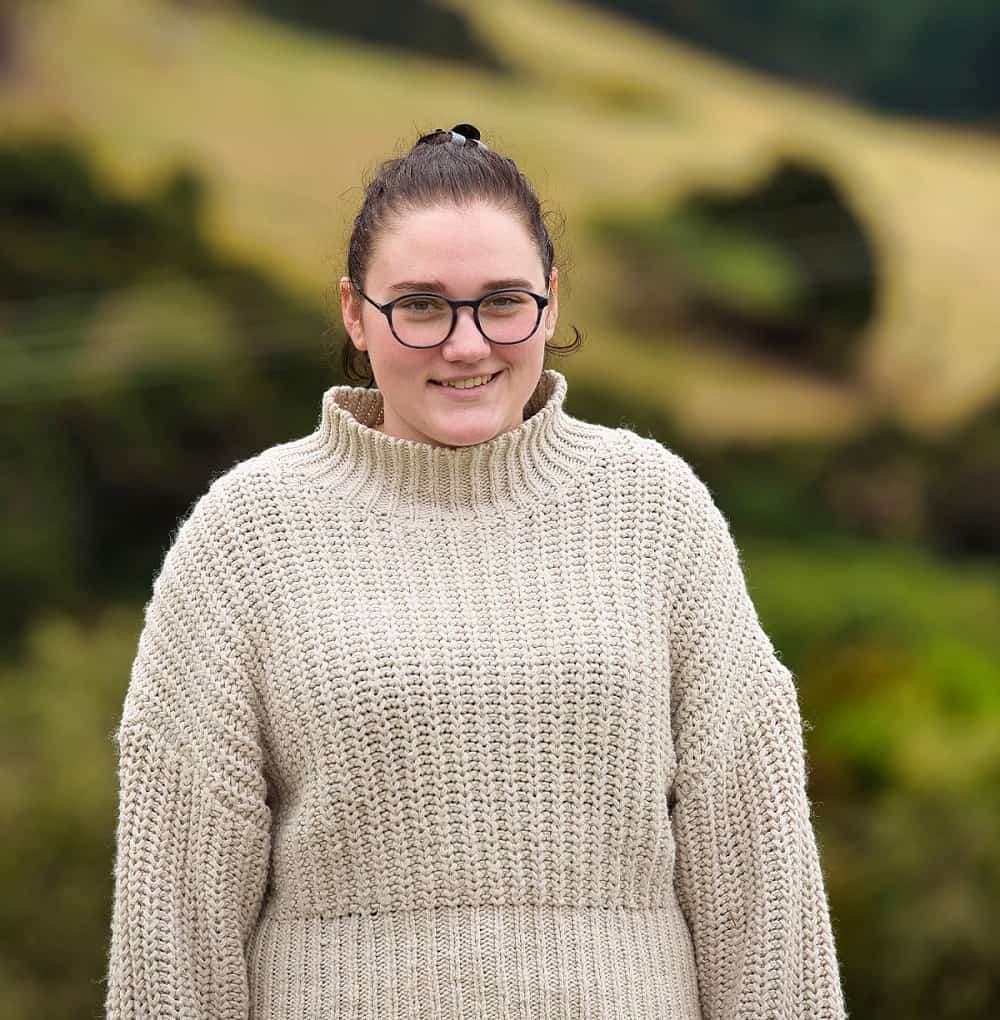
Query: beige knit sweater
{"type": "Point", "coordinates": [479, 733]}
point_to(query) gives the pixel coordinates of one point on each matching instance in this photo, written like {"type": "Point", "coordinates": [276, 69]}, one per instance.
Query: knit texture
{"type": "Point", "coordinates": [492, 732]}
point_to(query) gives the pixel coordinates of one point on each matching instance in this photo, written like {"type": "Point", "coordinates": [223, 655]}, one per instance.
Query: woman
{"type": "Point", "coordinates": [458, 706]}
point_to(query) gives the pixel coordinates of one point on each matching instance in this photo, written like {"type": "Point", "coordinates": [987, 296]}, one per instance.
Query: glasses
{"type": "Point", "coordinates": [427, 320]}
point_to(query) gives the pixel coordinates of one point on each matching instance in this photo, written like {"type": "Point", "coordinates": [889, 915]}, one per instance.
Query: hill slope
{"type": "Point", "coordinates": [601, 111]}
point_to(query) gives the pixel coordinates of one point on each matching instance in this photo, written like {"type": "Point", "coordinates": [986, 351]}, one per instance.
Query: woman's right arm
{"type": "Point", "coordinates": [193, 833]}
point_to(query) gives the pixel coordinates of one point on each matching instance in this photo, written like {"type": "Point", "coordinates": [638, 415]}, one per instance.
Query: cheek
{"type": "Point", "coordinates": [379, 335]}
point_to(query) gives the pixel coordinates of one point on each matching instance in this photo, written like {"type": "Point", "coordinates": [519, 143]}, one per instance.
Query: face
{"type": "Point", "coordinates": [462, 253]}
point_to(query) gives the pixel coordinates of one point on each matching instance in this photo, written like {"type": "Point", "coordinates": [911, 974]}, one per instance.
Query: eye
{"type": "Point", "coordinates": [505, 302]}
{"type": "Point", "coordinates": [421, 304]}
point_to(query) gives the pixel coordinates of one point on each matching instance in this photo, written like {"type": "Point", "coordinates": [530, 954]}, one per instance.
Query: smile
{"type": "Point", "coordinates": [468, 389]}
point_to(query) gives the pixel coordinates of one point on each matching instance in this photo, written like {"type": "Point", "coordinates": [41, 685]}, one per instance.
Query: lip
{"type": "Point", "coordinates": [469, 394]}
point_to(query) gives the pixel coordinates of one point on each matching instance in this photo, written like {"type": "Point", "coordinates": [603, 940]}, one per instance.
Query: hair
{"type": "Point", "coordinates": [442, 167]}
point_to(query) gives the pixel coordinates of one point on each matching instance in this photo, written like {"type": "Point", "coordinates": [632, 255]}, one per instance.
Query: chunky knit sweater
{"type": "Point", "coordinates": [440, 733]}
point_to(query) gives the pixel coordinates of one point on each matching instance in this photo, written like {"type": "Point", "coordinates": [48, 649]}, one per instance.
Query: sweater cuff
{"type": "Point", "coordinates": [190, 877]}
{"type": "Point", "coordinates": [748, 871]}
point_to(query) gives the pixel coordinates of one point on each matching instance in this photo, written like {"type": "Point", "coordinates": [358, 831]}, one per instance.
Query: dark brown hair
{"type": "Point", "coordinates": [442, 168]}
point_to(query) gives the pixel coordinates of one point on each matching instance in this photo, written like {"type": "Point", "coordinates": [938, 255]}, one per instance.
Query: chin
{"type": "Point", "coordinates": [465, 438]}
{"type": "Point", "coordinates": [468, 435]}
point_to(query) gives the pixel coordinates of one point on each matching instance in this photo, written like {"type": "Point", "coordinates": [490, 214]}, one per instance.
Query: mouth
{"type": "Point", "coordinates": [469, 389]}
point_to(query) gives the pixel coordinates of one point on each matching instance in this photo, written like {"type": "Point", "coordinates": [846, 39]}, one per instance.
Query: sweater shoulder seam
{"type": "Point", "coordinates": [774, 699]}
{"type": "Point", "coordinates": [257, 818]}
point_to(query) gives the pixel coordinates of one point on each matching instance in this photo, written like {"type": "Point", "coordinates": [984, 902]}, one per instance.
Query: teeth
{"type": "Point", "coordinates": [466, 384]}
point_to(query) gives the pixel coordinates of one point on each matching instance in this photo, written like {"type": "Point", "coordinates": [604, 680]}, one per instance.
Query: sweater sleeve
{"type": "Point", "coordinates": [193, 833]}
{"type": "Point", "coordinates": [748, 872]}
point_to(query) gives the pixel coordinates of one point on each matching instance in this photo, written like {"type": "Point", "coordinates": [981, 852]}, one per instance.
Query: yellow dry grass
{"type": "Point", "coordinates": [600, 111]}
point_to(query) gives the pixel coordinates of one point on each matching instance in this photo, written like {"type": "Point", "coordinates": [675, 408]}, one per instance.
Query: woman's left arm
{"type": "Point", "coordinates": [748, 872]}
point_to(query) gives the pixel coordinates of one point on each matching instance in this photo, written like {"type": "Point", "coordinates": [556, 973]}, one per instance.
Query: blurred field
{"type": "Point", "coordinates": [600, 110]}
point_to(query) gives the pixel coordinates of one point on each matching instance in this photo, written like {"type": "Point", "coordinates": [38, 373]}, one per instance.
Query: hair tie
{"type": "Point", "coordinates": [462, 134]}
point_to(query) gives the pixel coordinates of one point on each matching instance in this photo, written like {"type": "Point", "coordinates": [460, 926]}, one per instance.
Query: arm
{"type": "Point", "coordinates": [748, 873]}
{"type": "Point", "coordinates": [193, 834]}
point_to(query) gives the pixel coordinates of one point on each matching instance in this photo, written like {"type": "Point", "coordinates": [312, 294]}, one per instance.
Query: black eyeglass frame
{"type": "Point", "coordinates": [542, 300]}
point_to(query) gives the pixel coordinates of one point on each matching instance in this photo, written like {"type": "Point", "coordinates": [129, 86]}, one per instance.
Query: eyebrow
{"type": "Point", "coordinates": [437, 287]}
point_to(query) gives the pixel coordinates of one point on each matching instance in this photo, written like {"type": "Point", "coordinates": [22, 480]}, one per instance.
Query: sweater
{"type": "Point", "coordinates": [482, 732]}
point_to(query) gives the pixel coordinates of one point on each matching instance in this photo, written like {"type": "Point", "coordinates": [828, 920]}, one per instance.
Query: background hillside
{"type": "Point", "coordinates": [599, 111]}
{"type": "Point", "coordinates": [881, 53]}
{"type": "Point", "coordinates": [796, 293]}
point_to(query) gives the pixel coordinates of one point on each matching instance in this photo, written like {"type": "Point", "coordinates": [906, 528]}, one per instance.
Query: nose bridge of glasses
{"type": "Point", "coordinates": [473, 317]}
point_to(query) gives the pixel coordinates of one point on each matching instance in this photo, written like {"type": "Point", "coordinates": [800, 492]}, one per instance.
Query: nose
{"type": "Point", "coordinates": [465, 340]}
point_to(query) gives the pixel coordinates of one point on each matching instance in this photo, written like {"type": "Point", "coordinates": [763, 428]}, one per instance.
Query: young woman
{"type": "Point", "coordinates": [458, 706]}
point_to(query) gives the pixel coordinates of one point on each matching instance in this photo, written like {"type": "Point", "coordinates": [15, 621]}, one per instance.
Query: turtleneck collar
{"type": "Point", "coordinates": [387, 475]}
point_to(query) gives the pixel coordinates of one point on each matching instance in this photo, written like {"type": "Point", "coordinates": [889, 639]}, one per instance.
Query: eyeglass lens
{"type": "Point", "coordinates": [424, 320]}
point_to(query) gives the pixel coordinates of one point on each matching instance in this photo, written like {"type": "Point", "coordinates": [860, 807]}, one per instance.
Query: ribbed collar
{"type": "Point", "coordinates": [384, 474]}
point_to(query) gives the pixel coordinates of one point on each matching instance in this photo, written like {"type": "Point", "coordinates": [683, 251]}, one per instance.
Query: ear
{"type": "Point", "coordinates": [350, 309]}
{"type": "Point", "coordinates": [552, 308]}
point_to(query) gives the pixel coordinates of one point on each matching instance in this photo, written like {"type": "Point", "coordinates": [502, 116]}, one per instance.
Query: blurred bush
{"type": "Point", "coordinates": [942, 490]}
{"type": "Point", "coordinates": [137, 362]}
{"type": "Point", "coordinates": [914, 888]}
{"type": "Point", "coordinates": [897, 661]}
{"type": "Point", "coordinates": [963, 489]}
{"type": "Point", "coordinates": [786, 269]}
{"type": "Point", "coordinates": [58, 708]}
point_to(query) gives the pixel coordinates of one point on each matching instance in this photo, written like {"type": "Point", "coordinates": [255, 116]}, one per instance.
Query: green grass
{"type": "Point", "coordinates": [896, 655]}
{"type": "Point", "coordinates": [903, 590]}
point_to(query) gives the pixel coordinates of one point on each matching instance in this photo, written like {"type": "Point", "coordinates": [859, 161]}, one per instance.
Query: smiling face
{"type": "Point", "coordinates": [461, 252]}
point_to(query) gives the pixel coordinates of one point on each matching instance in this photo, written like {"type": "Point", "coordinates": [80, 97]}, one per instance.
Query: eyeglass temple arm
{"type": "Point", "coordinates": [381, 308]}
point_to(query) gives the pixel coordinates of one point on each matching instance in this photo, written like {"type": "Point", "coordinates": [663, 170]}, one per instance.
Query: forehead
{"type": "Point", "coordinates": [462, 246]}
